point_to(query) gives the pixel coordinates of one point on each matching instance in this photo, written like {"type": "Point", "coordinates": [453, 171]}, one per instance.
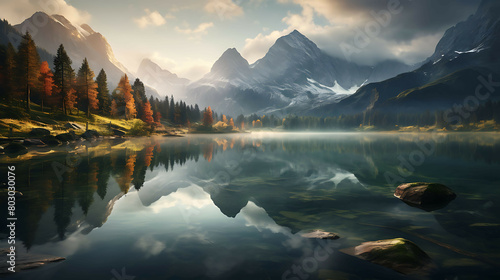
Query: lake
{"type": "Point", "coordinates": [234, 206]}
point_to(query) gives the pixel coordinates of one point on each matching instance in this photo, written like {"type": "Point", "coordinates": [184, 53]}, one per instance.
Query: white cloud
{"type": "Point", "coordinates": [17, 11]}
{"type": "Point", "coordinates": [224, 9]}
{"type": "Point", "coordinates": [201, 29]}
{"type": "Point", "coordinates": [256, 48]}
{"type": "Point", "coordinates": [153, 18]}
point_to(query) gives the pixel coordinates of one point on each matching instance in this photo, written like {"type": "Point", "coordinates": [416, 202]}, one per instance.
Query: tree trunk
{"type": "Point", "coordinates": [28, 98]}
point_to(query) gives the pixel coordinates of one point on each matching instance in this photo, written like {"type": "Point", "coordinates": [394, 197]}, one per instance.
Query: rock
{"type": "Point", "coordinates": [33, 142]}
{"type": "Point", "coordinates": [89, 134]}
{"type": "Point", "coordinates": [319, 234]}
{"type": "Point", "coordinates": [67, 137]}
{"type": "Point", "coordinates": [397, 254]}
{"type": "Point", "coordinates": [427, 196]}
{"type": "Point", "coordinates": [39, 132]}
{"type": "Point", "coordinates": [72, 126]}
{"type": "Point", "coordinates": [27, 261]}
{"type": "Point", "coordinates": [118, 132]}
{"type": "Point", "coordinates": [51, 141]}
{"type": "Point", "coordinates": [15, 148]}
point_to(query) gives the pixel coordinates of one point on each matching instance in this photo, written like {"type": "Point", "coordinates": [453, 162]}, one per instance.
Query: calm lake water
{"type": "Point", "coordinates": [233, 206]}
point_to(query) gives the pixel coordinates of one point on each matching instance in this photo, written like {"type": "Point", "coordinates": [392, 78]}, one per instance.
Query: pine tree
{"type": "Point", "coordinates": [124, 90]}
{"type": "Point", "coordinates": [103, 93]}
{"type": "Point", "coordinates": [28, 66]}
{"type": "Point", "coordinates": [63, 78]}
{"type": "Point", "coordinates": [46, 82]}
{"type": "Point", "coordinates": [87, 88]}
{"type": "Point", "coordinates": [171, 110]}
{"type": "Point", "coordinates": [8, 74]}
{"type": "Point", "coordinates": [139, 92]}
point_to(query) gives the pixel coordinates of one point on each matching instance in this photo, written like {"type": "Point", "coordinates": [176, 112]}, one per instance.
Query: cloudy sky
{"type": "Point", "coordinates": [188, 36]}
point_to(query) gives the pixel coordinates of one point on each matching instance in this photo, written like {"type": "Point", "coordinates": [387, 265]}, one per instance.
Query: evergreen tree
{"type": "Point", "coordinates": [7, 86]}
{"type": "Point", "coordinates": [28, 66]}
{"type": "Point", "coordinates": [64, 76]}
{"type": "Point", "coordinates": [87, 88]}
{"type": "Point", "coordinates": [139, 92]}
{"type": "Point", "coordinates": [103, 96]}
{"type": "Point", "coordinates": [171, 110]}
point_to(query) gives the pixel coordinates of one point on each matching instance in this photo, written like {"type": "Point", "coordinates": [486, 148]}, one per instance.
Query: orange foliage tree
{"type": "Point", "coordinates": [124, 89]}
{"type": "Point", "coordinates": [46, 81]}
{"type": "Point", "coordinates": [147, 113]}
{"type": "Point", "coordinates": [231, 122]}
{"type": "Point", "coordinates": [208, 119]}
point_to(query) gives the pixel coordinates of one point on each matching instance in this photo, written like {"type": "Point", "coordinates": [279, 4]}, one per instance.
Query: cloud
{"type": "Point", "coordinates": [17, 11]}
{"type": "Point", "coordinates": [410, 29]}
{"type": "Point", "coordinates": [224, 9]}
{"type": "Point", "coordinates": [201, 29]}
{"type": "Point", "coordinates": [153, 18]}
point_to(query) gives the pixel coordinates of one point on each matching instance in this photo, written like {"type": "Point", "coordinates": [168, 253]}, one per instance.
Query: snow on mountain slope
{"type": "Point", "coordinates": [293, 76]}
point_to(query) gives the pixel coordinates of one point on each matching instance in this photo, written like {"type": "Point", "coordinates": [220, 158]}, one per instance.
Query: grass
{"type": "Point", "coordinates": [15, 118]}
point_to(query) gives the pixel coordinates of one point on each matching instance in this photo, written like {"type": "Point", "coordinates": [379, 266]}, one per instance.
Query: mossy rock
{"type": "Point", "coordinates": [51, 141]}
{"type": "Point", "coordinates": [90, 134]}
{"type": "Point", "coordinates": [67, 137]}
{"type": "Point", "coordinates": [427, 196]}
{"type": "Point", "coordinates": [39, 132]}
{"type": "Point", "coordinates": [119, 133]}
{"type": "Point", "coordinates": [397, 254]}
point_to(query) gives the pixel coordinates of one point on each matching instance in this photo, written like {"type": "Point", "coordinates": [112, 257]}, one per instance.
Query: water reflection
{"type": "Point", "coordinates": [277, 184]}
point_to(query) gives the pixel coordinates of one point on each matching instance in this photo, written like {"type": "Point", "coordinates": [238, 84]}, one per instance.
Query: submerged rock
{"type": "Point", "coordinates": [39, 132]}
{"type": "Point", "coordinates": [33, 142]}
{"type": "Point", "coordinates": [15, 148]}
{"type": "Point", "coordinates": [319, 234]}
{"type": "Point", "coordinates": [27, 261]}
{"type": "Point", "coordinates": [397, 254]}
{"type": "Point", "coordinates": [427, 196]}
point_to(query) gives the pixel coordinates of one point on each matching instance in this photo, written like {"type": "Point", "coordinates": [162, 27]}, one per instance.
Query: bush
{"type": "Point", "coordinates": [139, 128]}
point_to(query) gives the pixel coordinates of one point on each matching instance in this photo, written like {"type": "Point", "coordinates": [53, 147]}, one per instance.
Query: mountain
{"type": "Point", "coordinates": [79, 42]}
{"type": "Point", "coordinates": [294, 76]}
{"type": "Point", "coordinates": [467, 51]}
{"type": "Point", "coordinates": [8, 34]}
{"type": "Point", "coordinates": [164, 81]}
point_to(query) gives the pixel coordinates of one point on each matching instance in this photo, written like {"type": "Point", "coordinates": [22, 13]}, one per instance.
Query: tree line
{"type": "Point", "coordinates": [25, 79]}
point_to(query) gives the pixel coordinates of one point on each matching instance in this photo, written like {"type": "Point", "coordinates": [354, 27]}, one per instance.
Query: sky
{"type": "Point", "coordinates": [187, 37]}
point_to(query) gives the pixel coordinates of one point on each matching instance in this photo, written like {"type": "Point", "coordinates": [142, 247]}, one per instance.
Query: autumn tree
{"type": "Point", "coordinates": [87, 88]}
{"type": "Point", "coordinates": [46, 82]}
{"type": "Point", "coordinates": [207, 117]}
{"type": "Point", "coordinates": [114, 109]}
{"type": "Point", "coordinates": [124, 90]}
{"type": "Point", "coordinates": [231, 122]}
{"type": "Point", "coordinates": [224, 119]}
{"type": "Point", "coordinates": [64, 77]}
{"type": "Point", "coordinates": [147, 113]}
{"type": "Point", "coordinates": [103, 96]}
{"type": "Point", "coordinates": [28, 66]}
